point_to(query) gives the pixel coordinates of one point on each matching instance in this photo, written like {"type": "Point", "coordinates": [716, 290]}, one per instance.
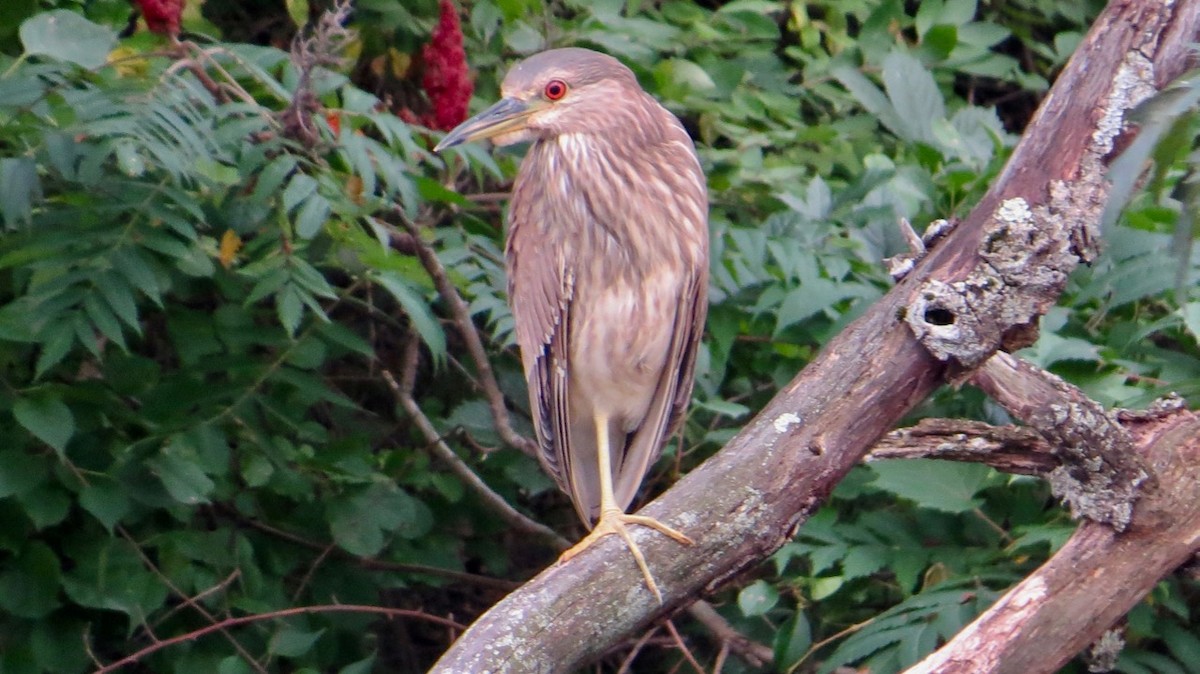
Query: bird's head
{"type": "Point", "coordinates": [559, 91]}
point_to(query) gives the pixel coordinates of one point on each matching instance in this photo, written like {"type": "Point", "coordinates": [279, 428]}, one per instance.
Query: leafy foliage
{"type": "Point", "coordinates": [206, 277]}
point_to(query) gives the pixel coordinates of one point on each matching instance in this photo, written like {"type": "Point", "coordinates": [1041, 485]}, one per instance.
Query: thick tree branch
{"type": "Point", "coordinates": [1098, 575]}
{"type": "Point", "coordinates": [982, 287]}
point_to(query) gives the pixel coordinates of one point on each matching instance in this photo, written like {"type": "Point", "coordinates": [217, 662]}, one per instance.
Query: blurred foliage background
{"type": "Point", "coordinates": [213, 308]}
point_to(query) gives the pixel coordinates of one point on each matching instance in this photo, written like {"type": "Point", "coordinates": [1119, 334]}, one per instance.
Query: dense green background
{"type": "Point", "coordinates": [182, 424]}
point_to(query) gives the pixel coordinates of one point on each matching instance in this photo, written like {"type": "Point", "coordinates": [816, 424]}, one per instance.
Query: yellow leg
{"type": "Point", "coordinates": [613, 520]}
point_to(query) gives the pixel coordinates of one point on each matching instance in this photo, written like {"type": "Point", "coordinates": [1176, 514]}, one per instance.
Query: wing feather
{"type": "Point", "coordinates": [667, 408]}
{"type": "Point", "coordinates": [540, 290]}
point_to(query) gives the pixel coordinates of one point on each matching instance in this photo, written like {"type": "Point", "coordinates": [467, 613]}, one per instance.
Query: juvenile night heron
{"type": "Point", "coordinates": [607, 257]}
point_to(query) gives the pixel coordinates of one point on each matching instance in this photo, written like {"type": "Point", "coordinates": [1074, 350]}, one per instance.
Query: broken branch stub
{"type": "Point", "coordinates": [1100, 473]}
{"type": "Point", "coordinates": [1031, 243]}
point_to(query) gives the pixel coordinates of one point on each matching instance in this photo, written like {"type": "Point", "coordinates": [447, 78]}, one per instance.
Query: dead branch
{"type": "Point", "coordinates": [1098, 575]}
{"type": "Point", "coordinates": [324, 45]}
{"type": "Point", "coordinates": [403, 390]}
{"type": "Point", "coordinates": [272, 615]}
{"type": "Point", "coordinates": [981, 288]}
{"type": "Point", "coordinates": [470, 334]}
{"type": "Point", "coordinates": [1009, 449]}
{"type": "Point", "coordinates": [1100, 473]}
{"type": "Point", "coordinates": [754, 653]}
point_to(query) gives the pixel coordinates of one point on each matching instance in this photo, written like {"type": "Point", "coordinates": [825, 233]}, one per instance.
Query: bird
{"type": "Point", "coordinates": [607, 258]}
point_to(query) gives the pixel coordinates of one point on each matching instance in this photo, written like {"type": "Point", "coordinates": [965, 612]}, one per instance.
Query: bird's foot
{"type": "Point", "coordinates": [615, 522]}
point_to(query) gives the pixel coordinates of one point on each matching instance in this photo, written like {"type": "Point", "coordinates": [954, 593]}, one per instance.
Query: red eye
{"type": "Point", "coordinates": [555, 89]}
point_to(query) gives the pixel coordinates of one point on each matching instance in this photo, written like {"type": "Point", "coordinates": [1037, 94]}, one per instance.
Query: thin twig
{"type": "Point", "coordinates": [828, 640]}
{"type": "Point", "coordinates": [754, 653]}
{"type": "Point", "coordinates": [273, 615]}
{"type": "Point", "coordinates": [687, 653]}
{"type": "Point", "coordinates": [312, 569]}
{"type": "Point", "coordinates": [722, 656]}
{"type": "Point", "coordinates": [462, 318]}
{"type": "Point", "coordinates": [403, 392]}
{"type": "Point", "coordinates": [633, 652]}
{"type": "Point", "coordinates": [188, 600]}
{"type": "Point", "coordinates": [219, 587]}
{"type": "Point", "coordinates": [488, 197]}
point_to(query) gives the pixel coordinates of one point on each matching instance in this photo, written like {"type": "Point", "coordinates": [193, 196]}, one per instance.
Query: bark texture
{"type": "Point", "coordinates": [981, 288]}
{"type": "Point", "coordinates": [1100, 472]}
{"type": "Point", "coordinates": [1098, 575]}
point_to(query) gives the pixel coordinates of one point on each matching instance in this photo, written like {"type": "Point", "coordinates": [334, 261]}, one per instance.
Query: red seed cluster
{"type": "Point", "coordinates": [447, 82]}
{"type": "Point", "coordinates": [162, 16]}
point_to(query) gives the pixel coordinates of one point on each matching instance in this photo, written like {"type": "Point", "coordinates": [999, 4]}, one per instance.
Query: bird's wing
{"type": "Point", "coordinates": [540, 290]}
{"type": "Point", "coordinates": [669, 404]}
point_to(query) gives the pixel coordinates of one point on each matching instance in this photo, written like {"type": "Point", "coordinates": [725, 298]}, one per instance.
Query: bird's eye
{"type": "Point", "coordinates": [555, 89]}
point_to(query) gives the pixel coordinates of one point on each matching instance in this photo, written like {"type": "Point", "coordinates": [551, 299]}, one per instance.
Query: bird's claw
{"type": "Point", "coordinates": [615, 522]}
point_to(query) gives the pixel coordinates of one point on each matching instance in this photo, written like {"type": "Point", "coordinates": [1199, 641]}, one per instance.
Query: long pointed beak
{"type": "Point", "coordinates": [507, 114]}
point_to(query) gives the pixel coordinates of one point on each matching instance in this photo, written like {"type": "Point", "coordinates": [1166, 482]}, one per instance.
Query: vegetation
{"type": "Point", "coordinates": [217, 302]}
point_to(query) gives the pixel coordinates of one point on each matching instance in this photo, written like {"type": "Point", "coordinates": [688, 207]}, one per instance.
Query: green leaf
{"type": "Point", "coordinates": [757, 598]}
{"type": "Point", "coordinates": [1183, 644]}
{"type": "Point", "coordinates": [119, 296]}
{"type": "Point", "coordinates": [817, 295]}
{"type": "Point", "coordinates": [233, 664]}
{"type": "Point", "coordinates": [47, 417]}
{"type": "Point", "coordinates": [364, 666]}
{"type": "Point", "coordinates": [475, 416]}
{"type": "Point", "coordinates": [730, 409]}
{"type": "Point", "coordinates": [104, 320]}
{"type": "Point", "coordinates": [312, 216]}
{"type": "Point", "coordinates": [914, 95]}
{"type": "Point", "coordinates": [56, 341]}
{"type": "Point", "coordinates": [12, 13]}
{"type": "Point", "coordinates": [107, 573]}
{"type": "Point", "coordinates": [19, 188]}
{"type": "Point", "coordinates": [291, 643]}
{"type": "Point", "coordinates": [339, 335]}
{"type": "Point", "coordinates": [523, 38]}
{"type": "Point", "coordinates": [940, 41]}
{"type": "Point", "coordinates": [825, 587]}
{"type": "Point", "coordinates": [792, 641]}
{"type": "Point", "coordinates": [178, 467]}
{"type": "Point", "coordinates": [21, 472]}
{"type": "Point", "coordinates": [272, 177]}
{"type": "Point", "coordinates": [29, 584]}
{"type": "Point", "coordinates": [940, 485]}
{"type": "Point", "coordinates": [870, 97]}
{"type": "Point", "coordinates": [106, 501]}
{"type": "Point", "coordinates": [68, 36]}
{"type": "Point", "coordinates": [360, 522]}
{"type": "Point", "coordinates": [688, 75]}
{"type": "Point", "coordinates": [46, 506]}
{"type": "Point", "coordinates": [433, 190]}
{"type": "Point", "coordinates": [290, 307]}
{"type": "Point", "coordinates": [1190, 313]}
{"type": "Point", "coordinates": [861, 561]}
{"type": "Point", "coordinates": [299, 188]}
{"type": "Point", "coordinates": [417, 310]}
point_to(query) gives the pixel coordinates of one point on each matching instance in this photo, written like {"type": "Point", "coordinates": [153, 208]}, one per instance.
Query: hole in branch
{"type": "Point", "coordinates": [939, 316]}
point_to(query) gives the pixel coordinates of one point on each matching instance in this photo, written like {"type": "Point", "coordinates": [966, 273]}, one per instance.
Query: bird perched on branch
{"type": "Point", "coordinates": [607, 257]}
